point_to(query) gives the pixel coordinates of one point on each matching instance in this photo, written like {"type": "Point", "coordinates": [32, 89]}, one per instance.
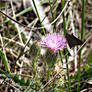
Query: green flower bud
{"type": "Point", "coordinates": [50, 58]}
{"type": "Point", "coordinates": [34, 50]}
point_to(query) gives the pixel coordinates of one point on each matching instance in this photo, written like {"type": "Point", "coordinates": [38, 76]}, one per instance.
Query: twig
{"type": "Point", "coordinates": [17, 26]}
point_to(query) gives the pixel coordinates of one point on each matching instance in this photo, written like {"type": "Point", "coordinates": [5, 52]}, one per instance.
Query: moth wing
{"type": "Point", "coordinates": [72, 40]}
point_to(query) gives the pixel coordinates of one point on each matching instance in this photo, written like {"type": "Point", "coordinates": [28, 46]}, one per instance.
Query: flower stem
{"type": "Point", "coordinates": [69, 81]}
{"type": "Point", "coordinates": [49, 71]}
{"type": "Point", "coordinates": [34, 66]}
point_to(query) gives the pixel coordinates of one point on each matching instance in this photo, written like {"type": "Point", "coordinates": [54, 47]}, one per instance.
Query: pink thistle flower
{"type": "Point", "coordinates": [54, 41]}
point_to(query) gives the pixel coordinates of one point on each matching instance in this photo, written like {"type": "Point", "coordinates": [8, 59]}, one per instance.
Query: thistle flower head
{"type": "Point", "coordinates": [54, 41]}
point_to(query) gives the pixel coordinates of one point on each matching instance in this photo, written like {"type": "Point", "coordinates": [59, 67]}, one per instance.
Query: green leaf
{"type": "Point", "coordinates": [4, 61]}
{"type": "Point", "coordinates": [85, 67]}
{"type": "Point", "coordinates": [22, 81]}
{"type": "Point", "coordinates": [28, 82]}
{"type": "Point", "coordinates": [16, 78]}
{"type": "Point", "coordinates": [87, 74]}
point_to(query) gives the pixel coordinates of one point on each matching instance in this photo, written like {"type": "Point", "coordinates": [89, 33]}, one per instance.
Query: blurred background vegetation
{"type": "Point", "coordinates": [23, 65]}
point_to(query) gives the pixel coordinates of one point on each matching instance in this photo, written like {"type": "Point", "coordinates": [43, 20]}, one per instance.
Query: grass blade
{"type": "Point", "coordinates": [4, 61]}
{"type": "Point", "coordinates": [82, 31]}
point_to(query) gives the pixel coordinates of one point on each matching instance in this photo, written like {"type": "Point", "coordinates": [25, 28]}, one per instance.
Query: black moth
{"type": "Point", "coordinates": [72, 40]}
